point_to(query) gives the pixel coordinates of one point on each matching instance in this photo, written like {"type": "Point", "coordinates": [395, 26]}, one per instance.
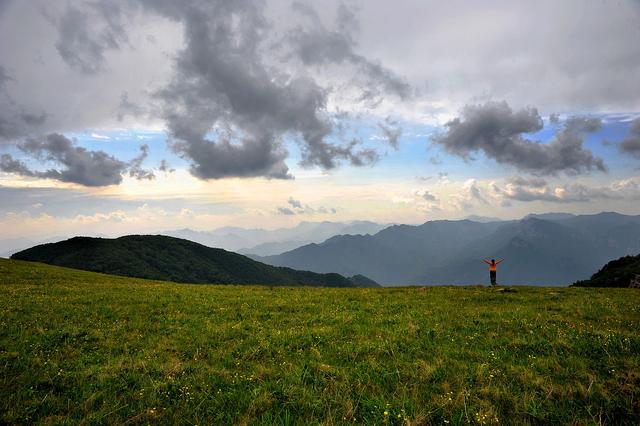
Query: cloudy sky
{"type": "Point", "coordinates": [146, 115]}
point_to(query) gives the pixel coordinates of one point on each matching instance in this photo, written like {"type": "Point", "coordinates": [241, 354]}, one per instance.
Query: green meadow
{"type": "Point", "coordinates": [84, 348]}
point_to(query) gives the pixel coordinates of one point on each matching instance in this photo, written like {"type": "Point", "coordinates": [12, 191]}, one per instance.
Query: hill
{"type": "Point", "coordinates": [617, 273]}
{"type": "Point", "coordinates": [172, 259]}
{"type": "Point", "coordinates": [553, 249]}
{"type": "Point", "coordinates": [78, 347]}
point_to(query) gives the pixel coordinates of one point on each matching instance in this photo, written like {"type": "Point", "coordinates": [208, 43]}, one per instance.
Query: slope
{"type": "Point", "coordinates": [617, 273]}
{"type": "Point", "coordinates": [78, 347]}
{"type": "Point", "coordinates": [171, 259]}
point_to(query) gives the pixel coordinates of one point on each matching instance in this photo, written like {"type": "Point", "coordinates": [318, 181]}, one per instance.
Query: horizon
{"type": "Point", "coordinates": [267, 115]}
{"type": "Point", "coordinates": [473, 218]}
{"type": "Point", "coordinates": [425, 256]}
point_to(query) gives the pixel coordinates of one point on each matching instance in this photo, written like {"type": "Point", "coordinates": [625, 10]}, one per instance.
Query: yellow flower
{"type": "Point", "coordinates": [386, 413]}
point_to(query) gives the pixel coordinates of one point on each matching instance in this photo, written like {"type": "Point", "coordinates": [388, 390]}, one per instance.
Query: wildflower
{"type": "Point", "coordinates": [386, 413]}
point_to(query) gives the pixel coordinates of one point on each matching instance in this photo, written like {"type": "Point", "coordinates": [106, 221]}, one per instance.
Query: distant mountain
{"type": "Point", "coordinates": [557, 250]}
{"type": "Point", "coordinates": [268, 242]}
{"type": "Point", "coordinates": [231, 242]}
{"type": "Point", "coordinates": [482, 219]}
{"type": "Point", "coordinates": [172, 259]}
{"type": "Point", "coordinates": [269, 249]}
{"type": "Point", "coordinates": [617, 273]}
{"type": "Point", "coordinates": [550, 216]}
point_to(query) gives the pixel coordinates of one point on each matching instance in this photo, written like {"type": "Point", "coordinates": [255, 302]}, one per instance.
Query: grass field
{"type": "Point", "coordinates": [78, 347]}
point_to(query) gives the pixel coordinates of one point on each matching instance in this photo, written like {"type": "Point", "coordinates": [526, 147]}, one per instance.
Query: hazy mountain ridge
{"type": "Point", "coordinates": [264, 242]}
{"type": "Point", "coordinates": [557, 250]}
{"type": "Point", "coordinates": [272, 248]}
{"type": "Point", "coordinates": [171, 259]}
{"type": "Point", "coordinates": [247, 241]}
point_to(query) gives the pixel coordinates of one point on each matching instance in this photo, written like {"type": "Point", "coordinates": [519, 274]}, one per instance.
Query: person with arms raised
{"type": "Point", "coordinates": [493, 268]}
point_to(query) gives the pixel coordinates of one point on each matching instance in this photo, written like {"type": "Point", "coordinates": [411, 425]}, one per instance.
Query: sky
{"type": "Point", "coordinates": [136, 116]}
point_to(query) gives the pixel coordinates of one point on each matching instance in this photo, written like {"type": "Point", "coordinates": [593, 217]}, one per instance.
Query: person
{"type": "Point", "coordinates": [493, 267]}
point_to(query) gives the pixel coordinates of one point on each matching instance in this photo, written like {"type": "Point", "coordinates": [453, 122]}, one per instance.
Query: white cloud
{"type": "Point", "coordinates": [100, 137]}
{"type": "Point", "coordinates": [535, 189]}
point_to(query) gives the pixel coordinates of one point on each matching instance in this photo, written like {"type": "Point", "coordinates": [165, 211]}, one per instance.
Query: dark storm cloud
{"type": "Point", "coordinates": [391, 130]}
{"type": "Point", "coordinates": [497, 131]}
{"type": "Point", "coordinates": [631, 144]}
{"type": "Point", "coordinates": [3, 5]}
{"type": "Point", "coordinates": [327, 154]}
{"type": "Point", "coordinates": [78, 165]}
{"type": "Point", "coordinates": [475, 56]}
{"type": "Point", "coordinates": [84, 35]}
{"type": "Point", "coordinates": [4, 77]}
{"type": "Point", "coordinates": [9, 165]}
{"type": "Point", "coordinates": [318, 45]}
{"type": "Point", "coordinates": [222, 158]}
{"type": "Point", "coordinates": [222, 82]}
{"type": "Point", "coordinates": [165, 167]}
{"type": "Point", "coordinates": [128, 108]}
{"type": "Point", "coordinates": [15, 122]}
{"type": "Point", "coordinates": [135, 165]}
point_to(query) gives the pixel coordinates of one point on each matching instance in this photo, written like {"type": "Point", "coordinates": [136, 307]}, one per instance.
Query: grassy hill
{"type": "Point", "coordinates": [172, 259]}
{"type": "Point", "coordinates": [80, 347]}
{"type": "Point", "coordinates": [617, 273]}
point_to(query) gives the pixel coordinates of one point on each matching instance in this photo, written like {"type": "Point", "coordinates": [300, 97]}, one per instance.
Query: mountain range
{"type": "Point", "coordinates": [171, 259]}
{"type": "Point", "coordinates": [263, 242]}
{"type": "Point", "coordinates": [548, 249]}
{"type": "Point", "coordinates": [256, 241]}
